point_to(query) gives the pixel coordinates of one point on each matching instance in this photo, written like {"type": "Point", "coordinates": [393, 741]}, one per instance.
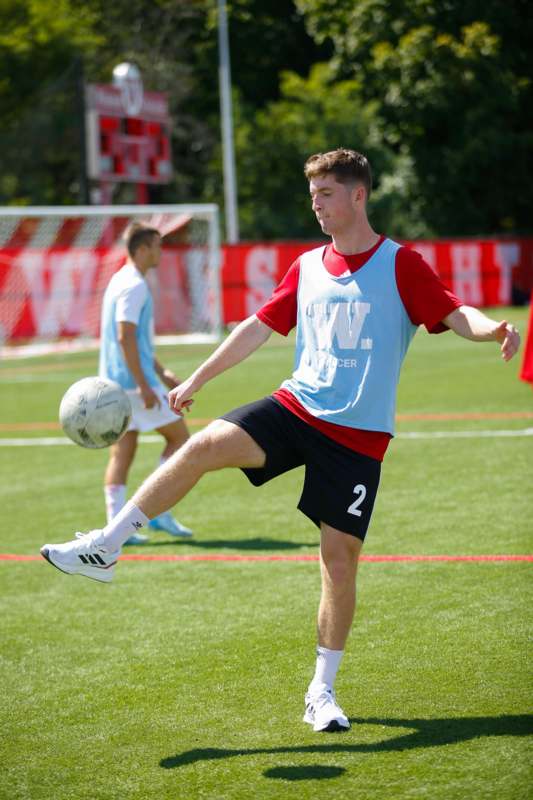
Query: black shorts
{"type": "Point", "coordinates": [340, 485]}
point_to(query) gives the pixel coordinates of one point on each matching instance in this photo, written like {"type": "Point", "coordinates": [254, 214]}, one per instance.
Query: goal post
{"type": "Point", "coordinates": [55, 263]}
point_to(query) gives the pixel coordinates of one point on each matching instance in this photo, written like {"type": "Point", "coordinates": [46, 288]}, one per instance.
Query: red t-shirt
{"type": "Point", "coordinates": [426, 300]}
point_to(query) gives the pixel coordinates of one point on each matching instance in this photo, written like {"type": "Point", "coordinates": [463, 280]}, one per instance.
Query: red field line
{"type": "Point", "coordinates": [298, 557]}
{"type": "Point", "coordinates": [10, 372]}
{"type": "Point", "coordinates": [11, 427]}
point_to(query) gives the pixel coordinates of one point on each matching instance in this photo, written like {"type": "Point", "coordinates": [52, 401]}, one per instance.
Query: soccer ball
{"type": "Point", "coordinates": [95, 412]}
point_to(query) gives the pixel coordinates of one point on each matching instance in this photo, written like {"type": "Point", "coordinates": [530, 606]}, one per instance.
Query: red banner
{"type": "Point", "coordinates": [57, 291]}
{"type": "Point", "coordinates": [489, 272]}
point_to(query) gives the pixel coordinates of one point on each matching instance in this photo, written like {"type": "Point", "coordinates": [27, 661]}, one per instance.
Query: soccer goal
{"type": "Point", "coordinates": [55, 263]}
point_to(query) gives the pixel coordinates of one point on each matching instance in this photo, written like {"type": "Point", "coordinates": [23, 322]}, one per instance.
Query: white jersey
{"type": "Point", "coordinates": [127, 299]}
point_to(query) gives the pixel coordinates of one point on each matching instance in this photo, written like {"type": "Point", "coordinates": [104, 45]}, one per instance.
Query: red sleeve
{"type": "Point", "coordinates": [280, 310]}
{"type": "Point", "coordinates": [425, 297]}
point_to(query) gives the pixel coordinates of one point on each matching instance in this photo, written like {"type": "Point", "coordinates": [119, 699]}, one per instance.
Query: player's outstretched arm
{"type": "Point", "coordinates": [470, 323]}
{"type": "Point", "coordinates": [242, 342]}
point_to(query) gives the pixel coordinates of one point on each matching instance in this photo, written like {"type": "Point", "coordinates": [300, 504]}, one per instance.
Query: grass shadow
{"type": "Point", "coordinates": [306, 772]}
{"type": "Point", "coordinates": [258, 543]}
{"type": "Point", "coordinates": [426, 733]}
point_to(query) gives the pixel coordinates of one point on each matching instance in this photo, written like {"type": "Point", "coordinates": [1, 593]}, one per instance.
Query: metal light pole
{"type": "Point", "coordinates": [226, 116]}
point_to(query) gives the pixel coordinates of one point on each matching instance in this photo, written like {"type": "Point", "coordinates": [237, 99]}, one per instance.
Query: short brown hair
{"type": "Point", "coordinates": [138, 234]}
{"type": "Point", "coordinates": [346, 166]}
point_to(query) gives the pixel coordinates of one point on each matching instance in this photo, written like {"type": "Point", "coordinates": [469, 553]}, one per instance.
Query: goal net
{"type": "Point", "coordinates": [55, 263]}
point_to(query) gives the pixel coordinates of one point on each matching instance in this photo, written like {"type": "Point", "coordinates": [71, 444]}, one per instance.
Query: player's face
{"type": "Point", "coordinates": [154, 251]}
{"type": "Point", "coordinates": [333, 203]}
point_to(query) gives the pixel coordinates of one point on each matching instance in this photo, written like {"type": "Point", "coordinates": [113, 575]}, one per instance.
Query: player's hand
{"type": "Point", "coordinates": [509, 339]}
{"type": "Point", "coordinates": [149, 397]}
{"type": "Point", "coordinates": [180, 398]}
{"type": "Point", "coordinates": [170, 379]}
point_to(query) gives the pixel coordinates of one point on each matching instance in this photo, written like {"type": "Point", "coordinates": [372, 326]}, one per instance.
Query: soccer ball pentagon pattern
{"type": "Point", "coordinates": [95, 412]}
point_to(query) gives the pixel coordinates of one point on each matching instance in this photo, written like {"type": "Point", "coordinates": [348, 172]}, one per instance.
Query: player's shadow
{"type": "Point", "coordinates": [426, 733]}
{"type": "Point", "coordinates": [304, 772]}
{"type": "Point", "coordinates": [258, 543]}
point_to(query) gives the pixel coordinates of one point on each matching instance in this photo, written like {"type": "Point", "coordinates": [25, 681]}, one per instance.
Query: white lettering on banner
{"type": "Point", "coordinates": [196, 261]}
{"type": "Point", "coordinates": [77, 269]}
{"type": "Point", "coordinates": [343, 320]}
{"type": "Point", "coordinates": [466, 272]}
{"type": "Point", "coordinates": [507, 257]}
{"type": "Point", "coordinates": [60, 302]}
{"type": "Point", "coordinates": [261, 268]}
{"type": "Point", "coordinates": [12, 301]}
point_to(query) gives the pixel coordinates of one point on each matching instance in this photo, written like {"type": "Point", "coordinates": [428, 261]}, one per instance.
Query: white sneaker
{"type": "Point", "coordinates": [323, 713]}
{"type": "Point", "coordinates": [166, 522]}
{"type": "Point", "coordinates": [85, 555]}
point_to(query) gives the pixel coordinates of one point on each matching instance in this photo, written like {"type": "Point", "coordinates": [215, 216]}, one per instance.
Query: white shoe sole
{"type": "Point", "coordinates": [333, 726]}
{"type": "Point", "coordinates": [102, 574]}
{"type": "Point", "coordinates": [337, 724]}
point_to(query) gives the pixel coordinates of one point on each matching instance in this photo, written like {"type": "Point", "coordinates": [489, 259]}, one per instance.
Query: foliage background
{"type": "Point", "coordinates": [437, 92]}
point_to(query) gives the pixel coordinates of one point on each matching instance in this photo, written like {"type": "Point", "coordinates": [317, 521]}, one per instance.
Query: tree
{"type": "Point", "coordinates": [265, 40]}
{"type": "Point", "coordinates": [452, 83]}
{"type": "Point", "coordinates": [40, 131]}
{"type": "Point", "coordinates": [436, 91]}
{"type": "Point", "coordinates": [175, 46]}
{"type": "Point", "coordinates": [313, 114]}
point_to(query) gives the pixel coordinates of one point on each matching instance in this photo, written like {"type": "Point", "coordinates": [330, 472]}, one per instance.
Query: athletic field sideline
{"type": "Point", "coordinates": [184, 678]}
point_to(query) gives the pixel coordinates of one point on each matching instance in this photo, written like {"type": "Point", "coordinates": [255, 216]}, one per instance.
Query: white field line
{"type": "Point", "coordinates": [45, 441]}
{"type": "Point", "coordinates": [481, 434]}
{"type": "Point", "coordinates": [83, 345]}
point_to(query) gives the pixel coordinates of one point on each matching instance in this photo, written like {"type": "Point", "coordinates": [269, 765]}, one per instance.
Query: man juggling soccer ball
{"type": "Point", "coordinates": [356, 304]}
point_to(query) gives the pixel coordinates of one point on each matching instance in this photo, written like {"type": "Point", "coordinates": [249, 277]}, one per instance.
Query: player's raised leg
{"type": "Point", "coordinates": [221, 444]}
{"type": "Point", "coordinates": [121, 457]}
{"type": "Point", "coordinates": [339, 558]}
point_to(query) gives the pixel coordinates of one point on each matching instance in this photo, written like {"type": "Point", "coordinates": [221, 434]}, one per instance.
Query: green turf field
{"type": "Point", "coordinates": [186, 679]}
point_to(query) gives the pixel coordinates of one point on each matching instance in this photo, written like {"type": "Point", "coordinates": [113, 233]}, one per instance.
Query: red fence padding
{"type": "Point", "coordinates": [48, 295]}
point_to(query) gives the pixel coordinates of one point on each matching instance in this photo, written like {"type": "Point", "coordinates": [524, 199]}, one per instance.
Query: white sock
{"type": "Point", "coordinates": [115, 499]}
{"type": "Point", "coordinates": [327, 664]}
{"type": "Point", "coordinates": [128, 520]}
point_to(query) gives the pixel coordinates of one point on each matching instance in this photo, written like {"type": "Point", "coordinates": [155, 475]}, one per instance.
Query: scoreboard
{"type": "Point", "coordinates": [128, 134]}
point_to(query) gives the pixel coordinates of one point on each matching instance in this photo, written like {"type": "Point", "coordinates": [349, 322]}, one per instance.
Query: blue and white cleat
{"type": "Point", "coordinates": [137, 539]}
{"type": "Point", "coordinates": [166, 522]}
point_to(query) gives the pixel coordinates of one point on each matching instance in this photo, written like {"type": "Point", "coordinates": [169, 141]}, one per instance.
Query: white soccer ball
{"type": "Point", "coordinates": [95, 412]}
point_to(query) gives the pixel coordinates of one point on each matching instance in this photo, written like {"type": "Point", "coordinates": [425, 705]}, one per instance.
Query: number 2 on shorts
{"type": "Point", "coordinates": [354, 508]}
